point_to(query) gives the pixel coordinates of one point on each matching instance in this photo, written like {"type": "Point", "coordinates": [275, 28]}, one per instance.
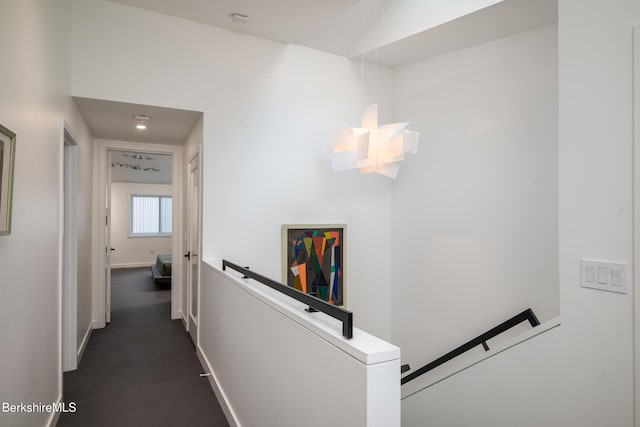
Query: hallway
{"type": "Point", "coordinates": [141, 370]}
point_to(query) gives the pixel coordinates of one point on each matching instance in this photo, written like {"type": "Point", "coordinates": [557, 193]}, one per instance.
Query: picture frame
{"type": "Point", "coordinates": [313, 260]}
{"type": "Point", "coordinates": [7, 164]}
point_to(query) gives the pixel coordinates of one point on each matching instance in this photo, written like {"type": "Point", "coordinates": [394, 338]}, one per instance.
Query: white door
{"type": "Point", "coordinates": [193, 254]}
{"type": "Point", "coordinates": [108, 249]}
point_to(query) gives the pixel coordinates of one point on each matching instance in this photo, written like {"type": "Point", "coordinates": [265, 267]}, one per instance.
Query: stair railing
{"type": "Point", "coordinates": [527, 315]}
{"type": "Point", "coordinates": [314, 303]}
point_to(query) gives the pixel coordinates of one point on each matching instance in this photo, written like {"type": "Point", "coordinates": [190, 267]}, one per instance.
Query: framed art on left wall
{"type": "Point", "coordinates": [7, 162]}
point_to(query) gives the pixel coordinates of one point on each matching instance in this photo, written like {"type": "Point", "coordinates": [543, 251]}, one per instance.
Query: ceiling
{"type": "Point", "coordinates": [282, 20]}
{"type": "Point", "coordinates": [342, 27]}
{"type": "Point", "coordinates": [348, 27]}
{"type": "Point", "coordinates": [494, 22]}
{"type": "Point", "coordinates": [114, 120]}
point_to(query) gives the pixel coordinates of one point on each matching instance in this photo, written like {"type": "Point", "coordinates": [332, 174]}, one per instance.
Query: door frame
{"type": "Point", "coordinates": [636, 221]}
{"type": "Point", "coordinates": [100, 177]}
{"type": "Point", "coordinates": [69, 253]}
{"type": "Point", "coordinates": [193, 324]}
{"type": "Point", "coordinates": [107, 239]}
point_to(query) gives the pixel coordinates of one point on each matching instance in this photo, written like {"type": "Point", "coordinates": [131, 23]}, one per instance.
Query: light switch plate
{"type": "Point", "coordinates": [604, 275]}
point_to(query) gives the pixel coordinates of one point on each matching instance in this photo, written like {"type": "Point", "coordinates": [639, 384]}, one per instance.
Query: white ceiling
{"type": "Point", "coordinates": [494, 22]}
{"type": "Point", "coordinates": [114, 120]}
{"type": "Point", "coordinates": [337, 26]}
{"type": "Point", "coordinates": [343, 27]}
{"type": "Point", "coordinates": [282, 20]}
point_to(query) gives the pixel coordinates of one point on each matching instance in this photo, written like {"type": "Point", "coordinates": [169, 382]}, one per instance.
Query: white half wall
{"type": "Point", "coordinates": [270, 111]}
{"type": "Point", "coordinates": [475, 211]}
{"type": "Point", "coordinates": [134, 251]}
{"type": "Point", "coordinates": [274, 364]}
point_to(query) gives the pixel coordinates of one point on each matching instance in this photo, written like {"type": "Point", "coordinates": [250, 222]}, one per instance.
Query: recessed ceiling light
{"type": "Point", "coordinates": [239, 18]}
{"type": "Point", "coordinates": [141, 121]}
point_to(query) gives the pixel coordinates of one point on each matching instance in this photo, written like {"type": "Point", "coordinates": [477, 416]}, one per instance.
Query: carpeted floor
{"type": "Point", "coordinates": [141, 370]}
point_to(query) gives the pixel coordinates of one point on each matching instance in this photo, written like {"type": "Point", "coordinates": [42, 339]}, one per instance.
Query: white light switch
{"type": "Point", "coordinates": [616, 276]}
{"type": "Point", "coordinates": [590, 273]}
{"type": "Point", "coordinates": [603, 275]}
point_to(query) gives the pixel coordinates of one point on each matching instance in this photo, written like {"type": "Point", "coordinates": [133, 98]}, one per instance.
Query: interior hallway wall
{"type": "Point", "coordinates": [475, 211]}
{"type": "Point", "coordinates": [270, 113]}
{"type": "Point", "coordinates": [34, 97]}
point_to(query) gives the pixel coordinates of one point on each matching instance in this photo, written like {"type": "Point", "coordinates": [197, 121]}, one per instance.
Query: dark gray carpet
{"type": "Point", "coordinates": [141, 370]}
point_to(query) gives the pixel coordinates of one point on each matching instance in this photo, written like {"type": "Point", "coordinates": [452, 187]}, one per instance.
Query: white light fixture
{"type": "Point", "coordinates": [239, 18]}
{"type": "Point", "coordinates": [141, 121]}
{"type": "Point", "coordinates": [373, 148]}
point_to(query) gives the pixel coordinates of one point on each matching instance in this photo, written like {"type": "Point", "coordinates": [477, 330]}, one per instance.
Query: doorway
{"type": "Point", "coordinates": [124, 156]}
{"type": "Point", "coordinates": [139, 219]}
{"type": "Point", "coordinates": [146, 130]}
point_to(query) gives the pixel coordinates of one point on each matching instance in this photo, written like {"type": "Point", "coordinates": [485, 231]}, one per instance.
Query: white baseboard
{"type": "Point", "coordinates": [85, 341]}
{"type": "Point", "coordinates": [131, 265]}
{"type": "Point", "coordinates": [232, 419]}
{"type": "Point", "coordinates": [99, 325]}
{"type": "Point", "coordinates": [184, 321]}
{"type": "Point", "coordinates": [55, 415]}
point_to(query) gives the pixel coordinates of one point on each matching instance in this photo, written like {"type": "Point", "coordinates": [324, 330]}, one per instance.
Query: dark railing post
{"type": "Point", "coordinates": [311, 309]}
{"type": "Point", "coordinates": [533, 320]}
{"type": "Point", "coordinates": [347, 326]}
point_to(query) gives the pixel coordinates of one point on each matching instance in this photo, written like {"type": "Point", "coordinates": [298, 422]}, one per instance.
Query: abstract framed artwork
{"type": "Point", "coordinates": [7, 160]}
{"type": "Point", "coordinates": [314, 260]}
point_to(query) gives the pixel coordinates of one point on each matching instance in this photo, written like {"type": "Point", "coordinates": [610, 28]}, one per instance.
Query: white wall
{"type": "Point", "coordinates": [34, 88]}
{"type": "Point", "coordinates": [581, 373]}
{"type": "Point", "coordinates": [595, 158]}
{"type": "Point", "coordinates": [134, 251]}
{"type": "Point", "coordinates": [270, 111]}
{"type": "Point", "coordinates": [274, 364]}
{"type": "Point", "coordinates": [265, 104]}
{"type": "Point", "coordinates": [475, 211]}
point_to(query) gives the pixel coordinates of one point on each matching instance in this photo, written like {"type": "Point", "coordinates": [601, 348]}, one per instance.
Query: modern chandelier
{"type": "Point", "coordinates": [373, 148]}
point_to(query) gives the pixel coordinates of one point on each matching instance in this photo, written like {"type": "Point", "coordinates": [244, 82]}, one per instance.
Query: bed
{"type": "Point", "coordinates": [161, 270]}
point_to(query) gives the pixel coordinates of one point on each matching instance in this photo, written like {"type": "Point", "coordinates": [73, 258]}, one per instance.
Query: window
{"type": "Point", "coordinates": [150, 215]}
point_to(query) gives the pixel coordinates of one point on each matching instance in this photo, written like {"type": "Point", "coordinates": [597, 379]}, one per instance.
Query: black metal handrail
{"type": "Point", "coordinates": [345, 316]}
{"type": "Point", "coordinates": [526, 315]}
